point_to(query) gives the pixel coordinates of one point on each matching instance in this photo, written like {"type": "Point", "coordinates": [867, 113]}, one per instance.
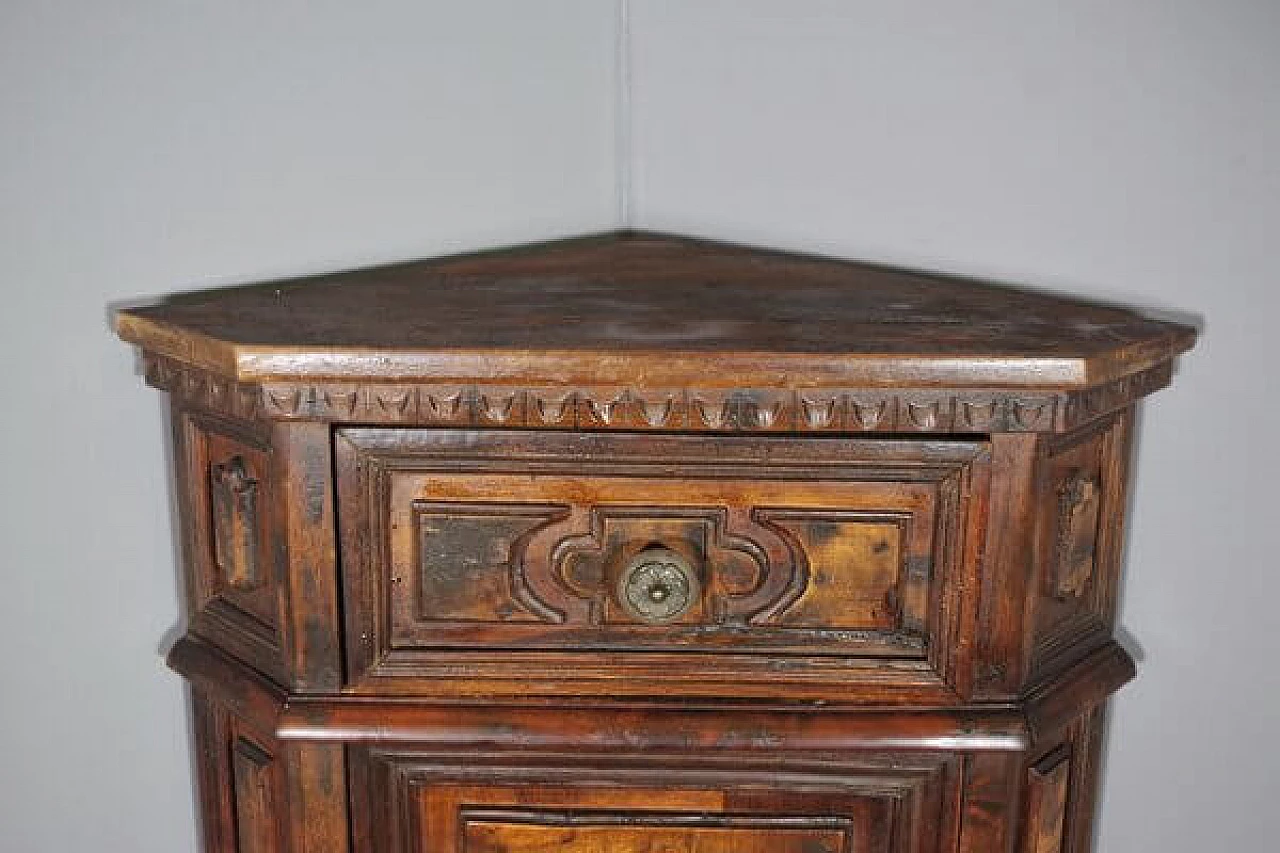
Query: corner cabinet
{"type": "Point", "coordinates": [638, 543]}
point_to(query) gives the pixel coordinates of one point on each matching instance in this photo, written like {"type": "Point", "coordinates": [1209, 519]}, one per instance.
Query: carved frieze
{"type": "Point", "coordinates": [695, 409]}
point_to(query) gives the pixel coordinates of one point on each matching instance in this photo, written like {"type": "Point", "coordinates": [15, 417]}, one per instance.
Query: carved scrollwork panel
{"type": "Point", "coordinates": [463, 568]}
{"type": "Point", "coordinates": [748, 568]}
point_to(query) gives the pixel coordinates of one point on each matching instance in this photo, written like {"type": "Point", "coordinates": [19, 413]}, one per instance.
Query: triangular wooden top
{"type": "Point", "coordinates": [652, 311]}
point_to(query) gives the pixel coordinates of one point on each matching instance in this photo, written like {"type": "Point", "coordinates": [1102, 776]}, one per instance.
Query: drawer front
{"type": "Point", "coordinates": [413, 803]}
{"type": "Point", "coordinates": [598, 555]}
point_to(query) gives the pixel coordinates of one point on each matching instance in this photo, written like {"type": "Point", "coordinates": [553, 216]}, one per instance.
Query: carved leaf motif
{"type": "Point", "coordinates": [341, 402]}
{"type": "Point", "coordinates": [657, 412]}
{"type": "Point", "coordinates": [763, 410]}
{"type": "Point", "coordinates": [923, 415]}
{"type": "Point", "coordinates": [819, 412]}
{"type": "Point", "coordinates": [867, 414]}
{"type": "Point", "coordinates": [550, 408]}
{"type": "Point", "coordinates": [501, 408]}
{"type": "Point", "coordinates": [1028, 415]}
{"type": "Point", "coordinates": [396, 403]}
{"type": "Point", "coordinates": [285, 402]}
{"type": "Point", "coordinates": [444, 404]}
{"type": "Point", "coordinates": [979, 415]}
{"type": "Point", "coordinates": [712, 410]}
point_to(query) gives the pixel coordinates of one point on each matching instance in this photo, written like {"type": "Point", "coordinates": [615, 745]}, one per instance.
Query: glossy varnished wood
{"type": "Point", "coordinates": [636, 542]}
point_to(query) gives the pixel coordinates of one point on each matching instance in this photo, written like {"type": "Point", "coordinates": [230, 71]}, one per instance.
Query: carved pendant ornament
{"type": "Point", "coordinates": [234, 501]}
{"type": "Point", "coordinates": [1079, 503]}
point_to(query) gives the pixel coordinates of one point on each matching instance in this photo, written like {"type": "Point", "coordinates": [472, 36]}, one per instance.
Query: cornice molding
{"type": "Point", "coordinates": [793, 410]}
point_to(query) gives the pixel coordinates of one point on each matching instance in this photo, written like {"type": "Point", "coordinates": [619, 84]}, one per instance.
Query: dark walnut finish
{"type": "Point", "coordinates": [637, 543]}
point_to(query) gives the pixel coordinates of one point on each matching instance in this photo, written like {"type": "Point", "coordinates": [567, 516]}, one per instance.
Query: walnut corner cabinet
{"type": "Point", "coordinates": [638, 543]}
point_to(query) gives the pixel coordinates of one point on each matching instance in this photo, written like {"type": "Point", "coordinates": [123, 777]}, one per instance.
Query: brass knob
{"type": "Point", "coordinates": [657, 585]}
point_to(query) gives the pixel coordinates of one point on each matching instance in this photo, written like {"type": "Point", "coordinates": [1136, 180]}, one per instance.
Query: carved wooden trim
{"type": "Point", "coordinates": [696, 409]}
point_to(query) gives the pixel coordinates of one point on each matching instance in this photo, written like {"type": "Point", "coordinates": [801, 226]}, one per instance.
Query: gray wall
{"type": "Point", "coordinates": [1124, 149]}
{"type": "Point", "coordinates": [1121, 148]}
{"type": "Point", "coordinates": [151, 146]}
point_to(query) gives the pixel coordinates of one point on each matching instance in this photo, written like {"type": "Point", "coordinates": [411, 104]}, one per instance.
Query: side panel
{"type": "Point", "coordinates": [262, 795]}
{"type": "Point", "coordinates": [242, 784]}
{"type": "Point", "coordinates": [226, 489]}
{"type": "Point", "coordinates": [1061, 788]}
{"type": "Point", "coordinates": [1079, 544]}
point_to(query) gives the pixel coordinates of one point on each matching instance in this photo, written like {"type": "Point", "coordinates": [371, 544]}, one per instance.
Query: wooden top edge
{"type": "Point", "coordinates": [657, 368]}
{"type": "Point", "coordinates": [651, 310]}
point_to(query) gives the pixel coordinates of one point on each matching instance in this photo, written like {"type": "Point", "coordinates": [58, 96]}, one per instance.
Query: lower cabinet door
{"type": "Point", "coordinates": [421, 803]}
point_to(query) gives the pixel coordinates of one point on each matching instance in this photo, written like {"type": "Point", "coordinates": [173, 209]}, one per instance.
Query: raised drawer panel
{"type": "Point", "coordinates": [479, 569]}
{"type": "Point", "coordinates": [459, 543]}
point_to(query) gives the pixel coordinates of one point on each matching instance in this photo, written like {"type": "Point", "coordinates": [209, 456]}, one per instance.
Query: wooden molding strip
{"type": "Point", "coordinates": [792, 410]}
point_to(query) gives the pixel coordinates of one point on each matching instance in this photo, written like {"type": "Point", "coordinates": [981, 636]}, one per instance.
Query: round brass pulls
{"type": "Point", "coordinates": [657, 585]}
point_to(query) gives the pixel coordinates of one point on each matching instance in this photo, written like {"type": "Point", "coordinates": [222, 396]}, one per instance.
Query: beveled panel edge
{"type": "Point", "coordinates": [1085, 685]}
{"type": "Point", "coordinates": [834, 409]}
{"type": "Point", "coordinates": [214, 673]}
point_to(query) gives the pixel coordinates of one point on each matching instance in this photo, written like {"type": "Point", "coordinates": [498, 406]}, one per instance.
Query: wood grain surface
{"type": "Point", "coordinates": [653, 311]}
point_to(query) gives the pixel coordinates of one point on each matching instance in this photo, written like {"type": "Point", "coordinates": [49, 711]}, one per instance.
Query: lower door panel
{"type": "Point", "coordinates": [408, 802]}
